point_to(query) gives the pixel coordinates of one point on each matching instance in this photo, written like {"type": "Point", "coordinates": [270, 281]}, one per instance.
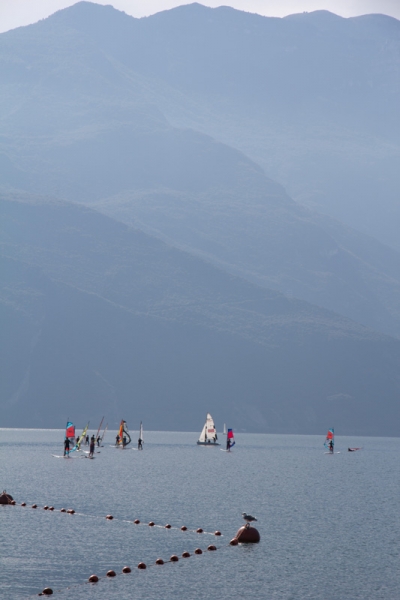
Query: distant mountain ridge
{"type": "Point", "coordinates": [99, 317]}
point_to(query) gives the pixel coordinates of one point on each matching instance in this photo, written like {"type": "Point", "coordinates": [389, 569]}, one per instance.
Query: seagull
{"type": "Point", "coordinates": [248, 518]}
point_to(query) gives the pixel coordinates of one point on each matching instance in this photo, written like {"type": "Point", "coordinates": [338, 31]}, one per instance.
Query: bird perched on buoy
{"type": "Point", "coordinates": [248, 518]}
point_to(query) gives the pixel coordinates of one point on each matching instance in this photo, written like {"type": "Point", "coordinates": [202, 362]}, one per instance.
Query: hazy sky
{"type": "Point", "coordinates": [14, 13]}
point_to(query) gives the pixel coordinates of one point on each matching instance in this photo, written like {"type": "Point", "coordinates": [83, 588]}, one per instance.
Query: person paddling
{"type": "Point", "coordinates": [66, 447]}
{"type": "Point", "coordinates": [92, 445]}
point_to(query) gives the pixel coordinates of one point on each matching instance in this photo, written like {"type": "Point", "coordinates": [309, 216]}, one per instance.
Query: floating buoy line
{"type": "Point", "coordinates": [109, 517]}
{"type": "Point", "coordinates": [245, 534]}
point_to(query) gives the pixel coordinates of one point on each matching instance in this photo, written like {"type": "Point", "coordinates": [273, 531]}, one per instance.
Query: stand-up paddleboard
{"type": "Point", "coordinates": [87, 451]}
{"type": "Point", "coordinates": [61, 456]}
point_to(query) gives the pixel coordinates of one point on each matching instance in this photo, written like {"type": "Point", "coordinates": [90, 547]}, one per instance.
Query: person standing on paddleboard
{"type": "Point", "coordinates": [92, 446]}
{"type": "Point", "coordinates": [66, 447]}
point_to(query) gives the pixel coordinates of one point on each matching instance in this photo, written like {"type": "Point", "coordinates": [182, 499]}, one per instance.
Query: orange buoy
{"type": "Point", "coordinates": [47, 592]}
{"type": "Point", "coordinates": [136, 521]}
{"type": "Point", "coordinates": [45, 507]}
{"type": "Point", "coordinates": [233, 542]}
{"type": "Point", "coordinates": [62, 510]}
{"type": "Point", "coordinates": [211, 547]}
{"type": "Point", "coordinates": [174, 558]}
{"type": "Point", "coordinates": [198, 551]}
{"type": "Point", "coordinates": [34, 505]}
{"type": "Point", "coordinates": [247, 535]}
{"type": "Point", "coordinates": [93, 579]}
{"type": "Point", "coordinates": [151, 524]}
{"type": "Point", "coordinates": [199, 530]}
{"type": "Point", "coordinates": [183, 528]}
{"type": "Point", "coordinates": [111, 573]}
{"type": "Point", "coordinates": [185, 554]}
{"type": "Point", "coordinates": [126, 570]}
{"type": "Point", "coordinates": [159, 561]}
{"type": "Point", "coordinates": [109, 517]}
{"type": "Point", "coordinates": [51, 507]}
{"type": "Point", "coordinates": [142, 565]}
{"type": "Point", "coordinates": [217, 533]}
{"type": "Point", "coordinates": [168, 526]}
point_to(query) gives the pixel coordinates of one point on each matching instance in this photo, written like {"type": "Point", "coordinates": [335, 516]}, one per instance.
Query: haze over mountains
{"type": "Point", "coordinates": [170, 303]}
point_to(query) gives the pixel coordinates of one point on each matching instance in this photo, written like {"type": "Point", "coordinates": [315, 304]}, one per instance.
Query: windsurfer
{"type": "Point", "coordinates": [92, 446]}
{"type": "Point", "coordinates": [117, 440]}
{"type": "Point", "coordinates": [331, 446]}
{"type": "Point", "coordinates": [140, 444]}
{"type": "Point", "coordinates": [98, 440]}
{"type": "Point", "coordinates": [228, 445]}
{"type": "Point", "coordinates": [66, 447]}
{"type": "Point", "coordinates": [124, 440]}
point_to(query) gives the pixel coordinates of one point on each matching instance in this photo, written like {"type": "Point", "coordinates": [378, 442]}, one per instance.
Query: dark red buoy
{"type": "Point", "coordinates": [168, 526]}
{"type": "Point", "coordinates": [62, 510]}
{"type": "Point", "coordinates": [199, 530]}
{"type": "Point", "coordinates": [142, 565]}
{"type": "Point", "coordinates": [13, 502]}
{"type": "Point", "coordinates": [111, 573]}
{"type": "Point", "coordinates": [71, 511]}
{"type": "Point", "coordinates": [109, 517]}
{"type": "Point", "coordinates": [174, 558]}
{"type": "Point", "coordinates": [198, 551]}
{"type": "Point", "coordinates": [183, 528]}
{"type": "Point", "coordinates": [233, 542]}
{"type": "Point", "coordinates": [126, 570]}
{"type": "Point", "coordinates": [23, 503]}
{"type": "Point", "coordinates": [45, 507]}
{"type": "Point", "coordinates": [151, 524]}
{"type": "Point", "coordinates": [47, 592]}
{"type": "Point", "coordinates": [159, 561]}
{"type": "Point", "coordinates": [136, 521]}
{"type": "Point", "coordinates": [185, 554]}
{"type": "Point", "coordinates": [247, 535]}
{"type": "Point", "coordinates": [51, 507]}
{"type": "Point", "coordinates": [6, 498]}
{"type": "Point", "coordinates": [34, 505]}
{"type": "Point", "coordinates": [211, 547]}
{"type": "Point", "coordinates": [217, 533]}
{"type": "Point", "coordinates": [93, 579]}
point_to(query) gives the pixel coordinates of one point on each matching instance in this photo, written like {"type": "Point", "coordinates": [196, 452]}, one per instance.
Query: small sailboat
{"type": "Point", "coordinates": [208, 436]}
{"type": "Point", "coordinates": [104, 433]}
{"type": "Point", "coordinates": [330, 442]}
{"type": "Point", "coordinates": [224, 432]}
{"type": "Point", "coordinates": [123, 437]}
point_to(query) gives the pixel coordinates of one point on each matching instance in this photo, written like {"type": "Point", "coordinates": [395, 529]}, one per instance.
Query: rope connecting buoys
{"type": "Point", "coordinates": [199, 530]}
{"type": "Point", "coordinates": [142, 565]}
{"type": "Point", "coordinates": [126, 570]}
{"type": "Point", "coordinates": [198, 551]}
{"type": "Point", "coordinates": [93, 579]}
{"type": "Point", "coordinates": [151, 524]}
{"type": "Point", "coordinates": [174, 558]}
{"type": "Point", "coordinates": [109, 517]}
{"type": "Point", "coordinates": [111, 573]}
{"type": "Point", "coordinates": [211, 547]}
{"type": "Point", "coordinates": [159, 561]}
{"type": "Point", "coordinates": [185, 554]}
{"type": "Point", "coordinates": [183, 528]}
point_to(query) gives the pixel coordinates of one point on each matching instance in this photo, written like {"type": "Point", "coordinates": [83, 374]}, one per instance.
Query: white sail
{"type": "Point", "coordinates": [225, 432]}
{"type": "Point", "coordinates": [141, 431]}
{"type": "Point", "coordinates": [202, 437]}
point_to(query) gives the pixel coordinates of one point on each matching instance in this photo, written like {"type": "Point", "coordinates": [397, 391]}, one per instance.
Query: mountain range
{"type": "Point", "coordinates": [158, 257]}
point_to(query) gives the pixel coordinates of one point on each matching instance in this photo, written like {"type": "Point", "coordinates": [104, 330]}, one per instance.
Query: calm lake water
{"type": "Point", "coordinates": [329, 525]}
